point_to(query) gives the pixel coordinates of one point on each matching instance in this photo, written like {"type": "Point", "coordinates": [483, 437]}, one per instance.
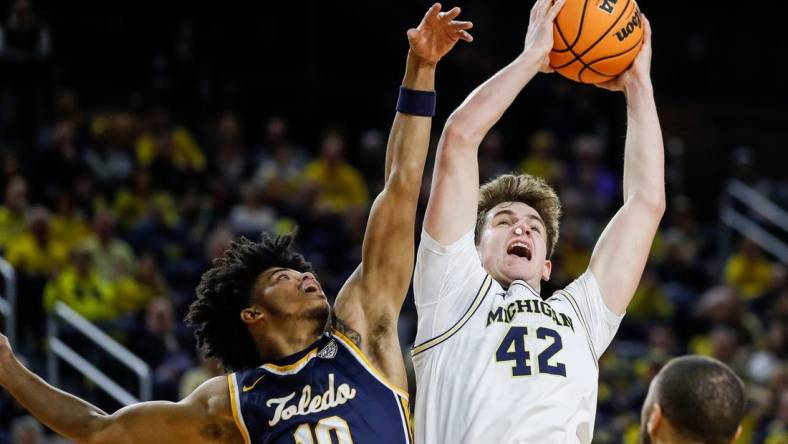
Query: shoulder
{"type": "Point", "coordinates": [213, 397]}
{"type": "Point", "coordinates": [212, 401]}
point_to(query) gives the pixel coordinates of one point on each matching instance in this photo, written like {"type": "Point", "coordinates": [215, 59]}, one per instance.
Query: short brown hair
{"type": "Point", "coordinates": [530, 190]}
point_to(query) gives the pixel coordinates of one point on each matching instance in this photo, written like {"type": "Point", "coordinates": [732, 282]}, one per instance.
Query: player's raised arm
{"type": "Point", "coordinates": [374, 294]}
{"type": "Point", "coordinates": [621, 252]}
{"type": "Point", "coordinates": [203, 417]}
{"type": "Point", "coordinates": [451, 211]}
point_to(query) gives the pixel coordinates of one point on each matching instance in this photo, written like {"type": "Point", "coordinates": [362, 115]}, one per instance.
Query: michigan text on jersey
{"type": "Point", "coordinates": [506, 314]}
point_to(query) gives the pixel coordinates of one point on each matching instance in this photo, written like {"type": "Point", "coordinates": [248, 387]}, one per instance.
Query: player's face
{"type": "Point", "coordinates": [290, 294]}
{"type": "Point", "coordinates": [513, 244]}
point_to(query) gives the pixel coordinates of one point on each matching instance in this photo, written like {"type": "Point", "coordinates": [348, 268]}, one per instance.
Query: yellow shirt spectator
{"type": "Point", "coordinates": [88, 294]}
{"type": "Point", "coordinates": [650, 301]}
{"type": "Point", "coordinates": [549, 169]}
{"type": "Point", "coordinates": [340, 187]}
{"type": "Point", "coordinates": [131, 208]}
{"type": "Point", "coordinates": [132, 295]}
{"type": "Point", "coordinates": [68, 229]}
{"type": "Point", "coordinates": [33, 258]}
{"type": "Point", "coordinates": [12, 224]}
{"type": "Point", "coordinates": [186, 154]}
{"type": "Point", "coordinates": [751, 276]}
{"type": "Point", "coordinates": [113, 260]}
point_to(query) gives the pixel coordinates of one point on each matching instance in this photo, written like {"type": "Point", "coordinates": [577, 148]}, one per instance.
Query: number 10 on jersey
{"type": "Point", "coordinates": [323, 431]}
{"type": "Point", "coordinates": [512, 348]}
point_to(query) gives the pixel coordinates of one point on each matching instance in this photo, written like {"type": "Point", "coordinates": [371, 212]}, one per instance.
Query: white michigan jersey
{"type": "Point", "coordinates": [501, 366]}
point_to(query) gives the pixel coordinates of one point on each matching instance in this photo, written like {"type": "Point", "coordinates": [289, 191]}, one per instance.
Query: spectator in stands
{"type": "Point", "coordinates": [60, 162]}
{"type": "Point", "coordinates": [133, 206]}
{"type": "Point", "coordinates": [230, 154]}
{"type": "Point", "coordinates": [169, 151]}
{"type": "Point", "coordinates": [492, 162]}
{"type": "Point", "coordinates": [35, 253]}
{"type": "Point", "coordinates": [12, 213]}
{"type": "Point", "coordinates": [10, 167]}
{"type": "Point", "coordinates": [109, 156]}
{"type": "Point", "coordinates": [775, 430]}
{"type": "Point", "coordinates": [112, 257]}
{"type": "Point", "coordinates": [598, 185]}
{"type": "Point", "coordinates": [192, 378]}
{"type": "Point", "coordinates": [650, 302]}
{"type": "Point", "coordinates": [134, 292]}
{"type": "Point", "coordinates": [68, 225]}
{"type": "Point", "coordinates": [337, 186]}
{"type": "Point", "coordinates": [36, 257]}
{"type": "Point", "coordinates": [163, 234]}
{"type": "Point", "coordinates": [252, 216]}
{"type": "Point", "coordinates": [24, 37]}
{"type": "Point", "coordinates": [280, 166]}
{"type": "Point", "coordinates": [183, 153]}
{"type": "Point", "coordinates": [765, 362]}
{"type": "Point", "coordinates": [370, 156]}
{"type": "Point", "coordinates": [541, 161]}
{"type": "Point", "coordinates": [721, 306]}
{"type": "Point", "coordinates": [80, 287]}
{"type": "Point", "coordinates": [160, 345]}
{"type": "Point", "coordinates": [748, 271]}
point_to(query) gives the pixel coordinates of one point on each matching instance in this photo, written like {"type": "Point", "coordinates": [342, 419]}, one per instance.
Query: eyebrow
{"type": "Point", "coordinates": [274, 271]}
{"type": "Point", "coordinates": [512, 213]}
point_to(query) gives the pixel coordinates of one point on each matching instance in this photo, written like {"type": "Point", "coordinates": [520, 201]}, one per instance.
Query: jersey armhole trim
{"type": "Point", "coordinates": [235, 405]}
{"type": "Point", "coordinates": [367, 364]}
{"type": "Point", "coordinates": [576, 308]}
{"type": "Point", "coordinates": [407, 422]}
{"type": "Point", "coordinates": [480, 294]}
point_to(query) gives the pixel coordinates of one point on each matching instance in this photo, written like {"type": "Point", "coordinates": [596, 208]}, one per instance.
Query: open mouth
{"type": "Point", "coordinates": [519, 249]}
{"type": "Point", "coordinates": [311, 286]}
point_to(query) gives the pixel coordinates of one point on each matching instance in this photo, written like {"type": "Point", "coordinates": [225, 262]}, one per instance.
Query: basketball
{"type": "Point", "coordinates": [596, 40]}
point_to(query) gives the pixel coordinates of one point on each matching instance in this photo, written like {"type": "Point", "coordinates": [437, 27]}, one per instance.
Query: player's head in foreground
{"type": "Point", "coordinates": [693, 399]}
{"type": "Point", "coordinates": [517, 228]}
{"type": "Point", "coordinates": [256, 300]}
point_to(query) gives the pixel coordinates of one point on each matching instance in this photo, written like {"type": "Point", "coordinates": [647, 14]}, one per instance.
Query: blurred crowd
{"type": "Point", "coordinates": [117, 212]}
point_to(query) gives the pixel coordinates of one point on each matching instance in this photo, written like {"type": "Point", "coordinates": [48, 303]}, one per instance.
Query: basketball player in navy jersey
{"type": "Point", "coordinates": [303, 373]}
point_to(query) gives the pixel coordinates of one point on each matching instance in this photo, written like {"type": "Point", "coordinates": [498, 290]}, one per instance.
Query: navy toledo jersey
{"type": "Point", "coordinates": [328, 393]}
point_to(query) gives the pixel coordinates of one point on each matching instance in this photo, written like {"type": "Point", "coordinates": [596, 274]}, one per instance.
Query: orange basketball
{"type": "Point", "coordinates": [596, 40]}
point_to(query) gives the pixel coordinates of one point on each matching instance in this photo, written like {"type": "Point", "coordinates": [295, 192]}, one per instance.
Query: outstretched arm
{"type": "Point", "coordinates": [620, 254]}
{"type": "Point", "coordinates": [451, 211]}
{"type": "Point", "coordinates": [372, 297]}
{"type": "Point", "coordinates": [203, 417]}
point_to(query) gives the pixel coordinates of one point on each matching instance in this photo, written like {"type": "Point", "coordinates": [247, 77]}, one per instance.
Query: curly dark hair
{"type": "Point", "coordinates": [226, 289]}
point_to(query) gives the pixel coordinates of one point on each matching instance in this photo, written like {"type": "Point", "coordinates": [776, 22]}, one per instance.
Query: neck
{"type": "Point", "coordinates": [533, 283]}
{"type": "Point", "coordinates": [287, 338]}
{"type": "Point", "coordinates": [668, 435]}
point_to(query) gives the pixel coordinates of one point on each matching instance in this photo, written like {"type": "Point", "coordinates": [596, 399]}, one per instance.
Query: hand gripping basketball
{"type": "Point", "coordinates": [596, 40]}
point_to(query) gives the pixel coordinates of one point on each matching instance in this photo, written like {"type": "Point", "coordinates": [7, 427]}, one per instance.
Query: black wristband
{"type": "Point", "coordinates": [418, 103]}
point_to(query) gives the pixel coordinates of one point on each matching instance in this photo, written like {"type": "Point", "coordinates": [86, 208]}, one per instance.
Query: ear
{"type": "Point", "coordinates": [251, 315]}
{"type": "Point", "coordinates": [736, 436]}
{"type": "Point", "coordinates": [547, 268]}
{"type": "Point", "coordinates": [654, 420]}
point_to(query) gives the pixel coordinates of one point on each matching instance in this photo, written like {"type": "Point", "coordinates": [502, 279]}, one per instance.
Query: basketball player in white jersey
{"type": "Point", "coordinates": [495, 361]}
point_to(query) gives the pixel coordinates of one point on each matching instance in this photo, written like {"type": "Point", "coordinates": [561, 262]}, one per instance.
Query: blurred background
{"type": "Point", "coordinates": [137, 139]}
